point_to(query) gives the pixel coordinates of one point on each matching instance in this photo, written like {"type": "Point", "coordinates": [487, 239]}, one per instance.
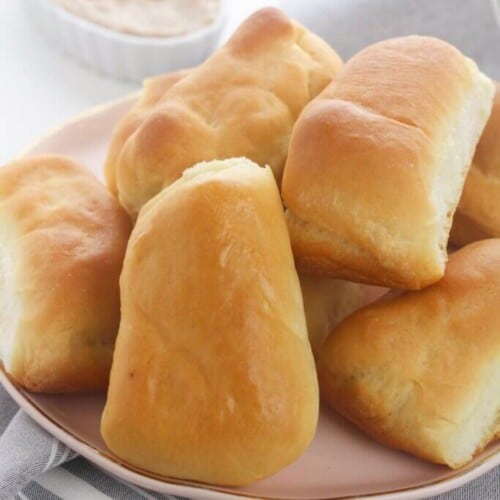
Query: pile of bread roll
{"type": "Point", "coordinates": [241, 191]}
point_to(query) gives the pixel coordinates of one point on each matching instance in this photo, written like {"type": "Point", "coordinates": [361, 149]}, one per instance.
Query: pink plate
{"type": "Point", "coordinates": [340, 463]}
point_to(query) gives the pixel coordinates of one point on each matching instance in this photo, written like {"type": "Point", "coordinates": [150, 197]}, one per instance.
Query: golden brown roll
{"type": "Point", "coordinates": [377, 162]}
{"type": "Point", "coordinates": [153, 90]}
{"type": "Point", "coordinates": [328, 301]}
{"type": "Point", "coordinates": [242, 101]}
{"type": "Point", "coordinates": [421, 371]}
{"type": "Point", "coordinates": [478, 213]}
{"type": "Point", "coordinates": [63, 238]}
{"type": "Point", "coordinates": [213, 377]}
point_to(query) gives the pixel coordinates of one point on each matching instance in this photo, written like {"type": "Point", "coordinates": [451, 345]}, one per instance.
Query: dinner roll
{"type": "Point", "coordinates": [152, 91]}
{"type": "Point", "coordinates": [242, 101]}
{"type": "Point", "coordinates": [377, 163]}
{"type": "Point", "coordinates": [478, 213]}
{"type": "Point", "coordinates": [421, 371]}
{"type": "Point", "coordinates": [213, 378]}
{"type": "Point", "coordinates": [63, 238]}
{"type": "Point", "coordinates": [328, 301]}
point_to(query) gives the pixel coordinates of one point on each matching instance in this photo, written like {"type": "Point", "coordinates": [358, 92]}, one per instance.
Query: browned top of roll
{"type": "Point", "coordinates": [242, 101]}
{"type": "Point", "coordinates": [369, 163]}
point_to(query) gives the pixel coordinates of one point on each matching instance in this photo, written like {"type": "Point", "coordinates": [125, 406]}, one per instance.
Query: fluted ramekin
{"type": "Point", "coordinates": [119, 55]}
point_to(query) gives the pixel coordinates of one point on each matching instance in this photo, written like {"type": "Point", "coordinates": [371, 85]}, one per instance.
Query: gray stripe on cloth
{"type": "Point", "coordinates": [36, 492]}
{"type": "Point", "coordinates": [63, 455]}
{"type": "Point", "coordinates": [488, 485]}
{"type": "Point", "coordinates": [7, 409]}
{"type": "Point", "coordinates": [99, 480]}
{"type": "Point", "coordinates": [31, 451]}
{"type": "Point", "coordinates": [109, 485]}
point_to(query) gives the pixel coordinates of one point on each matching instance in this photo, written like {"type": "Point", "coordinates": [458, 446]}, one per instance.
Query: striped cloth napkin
{"type": "Point", "coordinates": [33, 464]}
{"type": "Point", "coordinates": [36, 466]}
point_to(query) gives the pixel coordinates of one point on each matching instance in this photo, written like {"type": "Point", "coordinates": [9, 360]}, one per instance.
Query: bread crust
{"type": "Point", "coordinates": [242, 101]}
{"type": "Point", "coordinates": [362, 178]}
{"type": "Point", "coordinates": [414, 370]}
{"type": "Point", "coordinates": [213, 378]}
{"type": "Point", "coordinates": [63, 241]}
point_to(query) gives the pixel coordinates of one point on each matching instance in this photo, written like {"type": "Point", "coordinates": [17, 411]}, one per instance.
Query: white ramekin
{"type": "Point", "coordinates": [119, 55]}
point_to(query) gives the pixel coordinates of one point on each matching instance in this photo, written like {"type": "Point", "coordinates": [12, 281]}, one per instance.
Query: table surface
{"type": "Point", "coordinates": [41, 88]}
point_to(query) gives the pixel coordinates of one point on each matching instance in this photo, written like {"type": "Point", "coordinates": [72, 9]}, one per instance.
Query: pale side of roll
{"type": "Point", "coordinates": [242, 101]}
{"type": "Point", "coordinates": [213, 377]}
{"type": "Point", "coordinates": [420, 372]}
{"type": "Point", "coordinates": [328, 301]}
{"type": "Point", "coordinates": [478, 213]}
{"type": "Point", "coordinates": [378, 160]}
{"type": "Point", "coordinates": [62, 243]}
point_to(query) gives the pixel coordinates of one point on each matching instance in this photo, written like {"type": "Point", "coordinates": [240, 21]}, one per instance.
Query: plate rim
{"type": "Point", "coordinates": [119, 469]}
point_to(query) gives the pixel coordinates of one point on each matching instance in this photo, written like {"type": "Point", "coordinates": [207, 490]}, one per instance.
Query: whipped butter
{"type": "Point", "coordinates": [158, 18]}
